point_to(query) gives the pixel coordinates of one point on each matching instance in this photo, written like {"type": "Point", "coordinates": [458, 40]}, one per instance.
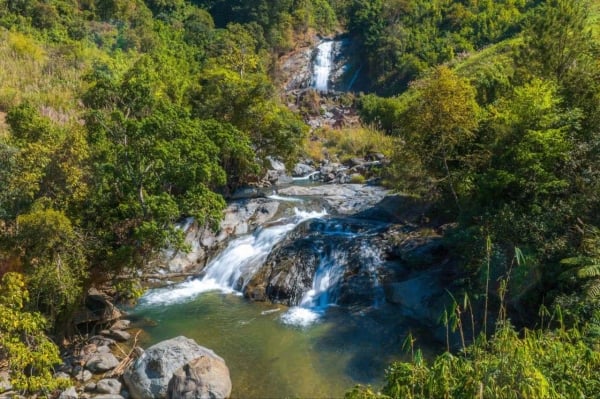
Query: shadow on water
{"type": "Point", "coordinates": [373, 338]}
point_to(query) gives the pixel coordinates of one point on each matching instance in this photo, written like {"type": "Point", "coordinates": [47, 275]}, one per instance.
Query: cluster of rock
{"type": "Point", "coordinates": [177, 368]}
{"type": "Point", "coordinates": [241, 217]}
{"type": "Point", "coordinates": [354, 170]}
{"type": "Point", "coordinates": [91, 366]}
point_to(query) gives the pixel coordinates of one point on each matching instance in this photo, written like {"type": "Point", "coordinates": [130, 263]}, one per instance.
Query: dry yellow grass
{"type": "Point", "coordinates": [45, 75]}
{"type": "Point", "coordinates": [343, 144]}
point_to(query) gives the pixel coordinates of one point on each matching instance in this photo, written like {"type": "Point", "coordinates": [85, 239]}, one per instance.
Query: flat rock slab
{"type": "Point", "coordinates": [345, 199]}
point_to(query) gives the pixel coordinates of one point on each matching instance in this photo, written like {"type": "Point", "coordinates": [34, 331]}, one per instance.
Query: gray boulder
{"type": "Point", "coordinates": [5, 381]}
{"type": "Point", "coordinates": [83, 375]}
{"type": "Point", "coordinates": [69, 393]}
{"type": "Point", "coordinates": [108, 385]}
{"type": "Point", "coordinates": [101, 362]}
{"type": "Point", "coordinates": [302, 169]}
{"type": "Point", "coordinates": [206, 377]}
{"type": "Point", "coordinates": [148, 377]}
{"type": "Point", "coordinates": [120, 335]}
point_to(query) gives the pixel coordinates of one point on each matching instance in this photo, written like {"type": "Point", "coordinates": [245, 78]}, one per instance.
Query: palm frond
{"type": "Point", "coordinates": [588, 271]}
{"type": "Point", "coordinates": [575, 261]}
{"type": "Point", "coordinates": [593, 289]}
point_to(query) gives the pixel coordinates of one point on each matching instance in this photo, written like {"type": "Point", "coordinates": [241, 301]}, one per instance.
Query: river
{"type": "Point", "coordinates": [340, 329]}
{"type": "Point", "coordinates": [317, 349]}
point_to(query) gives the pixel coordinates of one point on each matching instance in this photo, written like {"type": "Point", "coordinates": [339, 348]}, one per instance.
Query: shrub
{"type": "Point", "coordinates": [30, 354]}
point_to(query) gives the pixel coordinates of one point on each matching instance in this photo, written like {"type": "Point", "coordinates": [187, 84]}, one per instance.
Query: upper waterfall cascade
{"type": "Point", "coordinates": [323, 65]}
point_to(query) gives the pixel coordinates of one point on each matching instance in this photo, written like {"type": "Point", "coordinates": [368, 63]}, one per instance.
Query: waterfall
{"type": "Point", "coordinates": [228, 271]}
{"type": "Point", "coordinates": [335, 261]}
{"type": "Point", "coordinates": [322, 66]}
{"type": "Point", "coordinates": [347, 265]}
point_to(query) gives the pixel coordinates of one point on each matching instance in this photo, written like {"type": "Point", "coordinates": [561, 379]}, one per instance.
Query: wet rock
{"type": "Point", "coordinates": [204, 377]}
{"type": "Point", "coordinates": [301, 170]}
{"type": "Point", "coordinates": [101, 362]}
{"type": "Point", "coordinates": [247, 193]}
{"type": "Point", "coordinates": [344, 199]}
{"type": "Point", "coordinates": [149, 375]}
{"type": "Point", "coordinates": [69, 393]}
{"type": "Point", "coordinates": [108, 396]}
{"type": "Point", "coordinates": [417, 294]}
{"type": "Point", "coordinates": [122, 324]}
{"type": "Point", "coordinates": [351, 250]}
{"type": "Point", "coordinates": [108, 385]}
{"type": "Point", "coordinates": [286, 274]}
{"type": "Point", "coordinates": [240, 217]}
{"type": "Point", "coordinates": [119, 335]}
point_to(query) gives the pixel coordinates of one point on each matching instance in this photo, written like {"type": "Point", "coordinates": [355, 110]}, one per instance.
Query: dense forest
{"type": "Point", "coordinates": [119, 118]}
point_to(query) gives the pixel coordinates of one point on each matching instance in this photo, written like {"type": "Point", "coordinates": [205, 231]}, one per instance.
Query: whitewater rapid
{"type": "Point", "coordinates": [241, 258]}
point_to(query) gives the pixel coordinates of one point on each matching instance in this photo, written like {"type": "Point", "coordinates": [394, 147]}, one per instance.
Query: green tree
{"type": "Point", "coordinates": [152, 164]}
{"type": "Point", "coordinates": [557, 35]}
{"type": "Point", "coordinates": [441, 124]}
{"type": "Point", "coordinates": [54, 261]}
{"type": "Point", "coordinates": [530, 146]}
{"type": "Point", "coordinates": [30, 354]}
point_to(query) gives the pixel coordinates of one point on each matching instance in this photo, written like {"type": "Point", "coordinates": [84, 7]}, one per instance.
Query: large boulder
{"type": "Point", "coordinates": [287, 273]}
{"type": "Point", "coordinates": [206, 377]}
{"type": "Point", "coordinates": [148, 377]}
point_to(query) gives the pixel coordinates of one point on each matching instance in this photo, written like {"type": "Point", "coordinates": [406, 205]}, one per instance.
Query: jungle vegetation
{"type": "Point", "coordinates": [118, 118]}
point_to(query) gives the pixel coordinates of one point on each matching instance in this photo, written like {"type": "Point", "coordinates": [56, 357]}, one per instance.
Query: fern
{"type": "Point", "coordinates": [586, 266]}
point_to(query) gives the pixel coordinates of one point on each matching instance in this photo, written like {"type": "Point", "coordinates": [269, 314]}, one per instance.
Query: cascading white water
{"type": "Point", "coordinates": [329, 274]}
{"type": "Point", "coordinates": [322, 66]}
{"type": "Point", "coordinates": [240, 259]}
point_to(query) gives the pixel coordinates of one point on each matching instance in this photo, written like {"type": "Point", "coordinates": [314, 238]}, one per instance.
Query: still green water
{"type": "Point", "coordinates": [268, 359]}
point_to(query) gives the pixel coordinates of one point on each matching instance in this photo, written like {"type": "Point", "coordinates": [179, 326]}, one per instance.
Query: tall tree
{"type": "Point", "coordinates": [441, 123]}
{"type": "Point", "coordinates": [556, 36]}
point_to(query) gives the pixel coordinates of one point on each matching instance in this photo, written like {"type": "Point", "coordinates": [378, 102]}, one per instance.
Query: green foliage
{"type": "Point", "coordinates": [586, 265]}
{"type": "Point", "coordinates": [401, 39]}
{"type": "Point", "coordinates": [30, 354]}
{"type": "Point", "coordinates": [54, 261]}
{"type": "Point", "coordinates": [540, 364]}
{"type": "Point", "coordinates": [557, 36]}
{"type": "Point", "coordinates": [439, 126]}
